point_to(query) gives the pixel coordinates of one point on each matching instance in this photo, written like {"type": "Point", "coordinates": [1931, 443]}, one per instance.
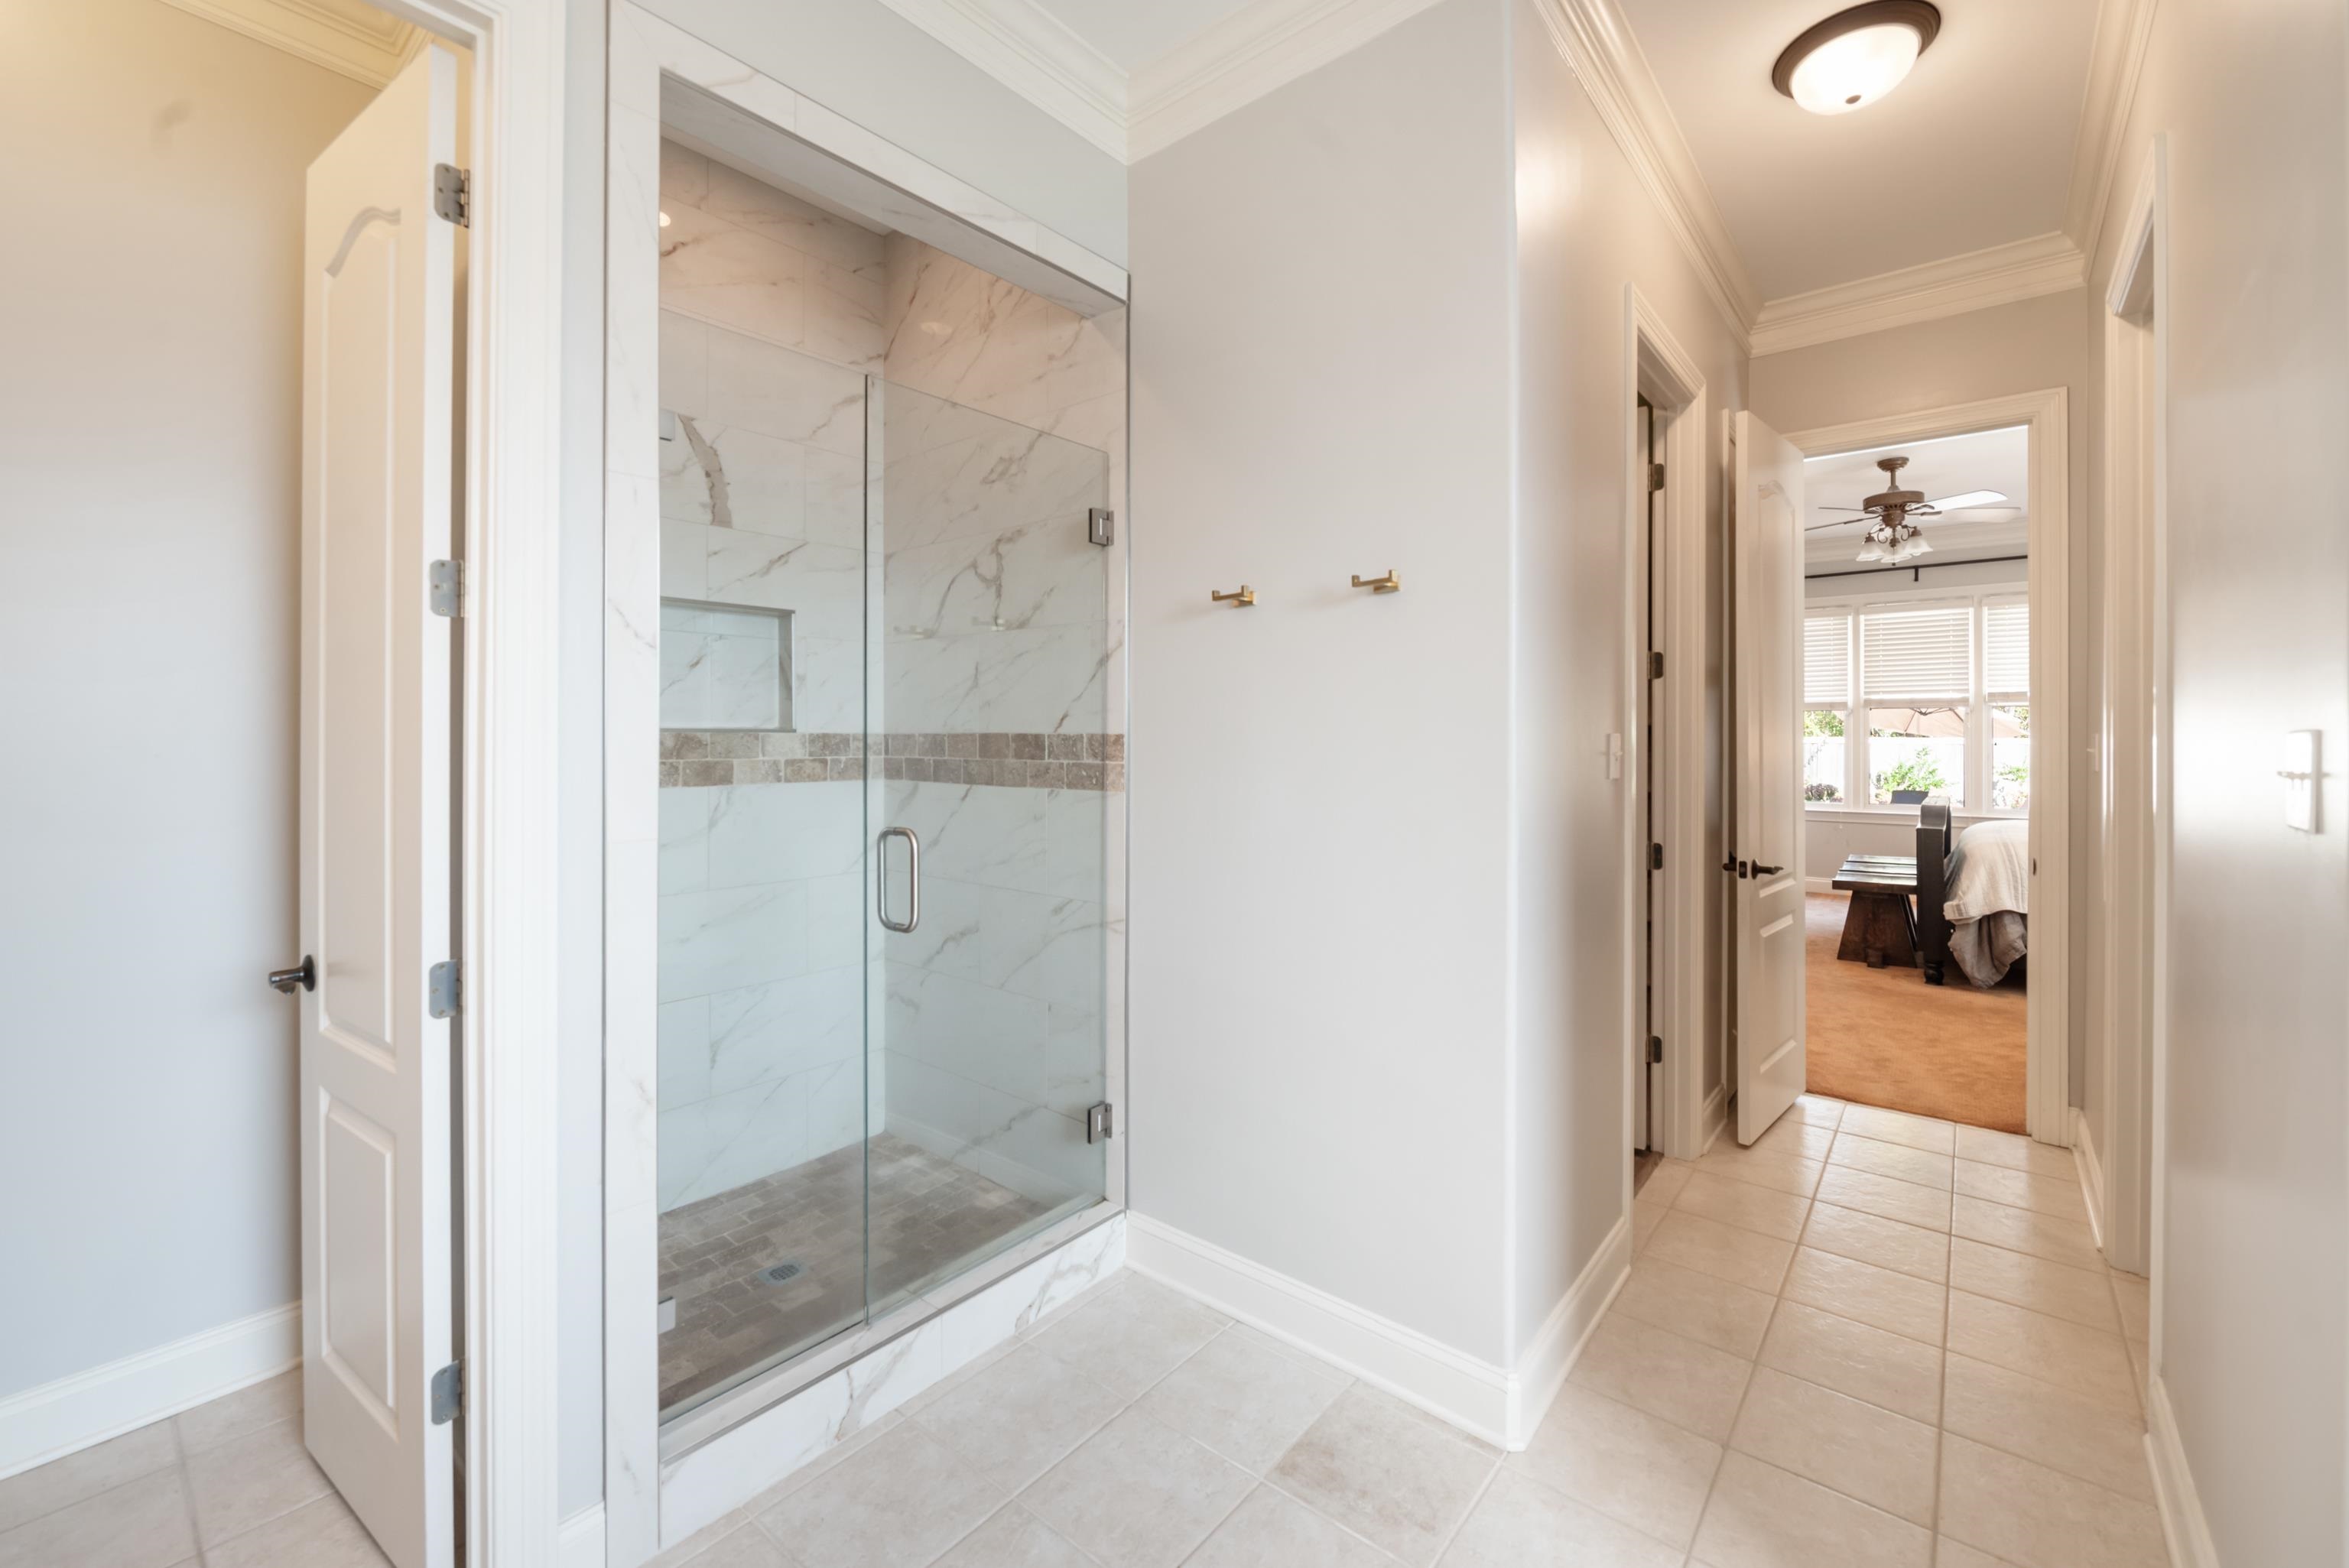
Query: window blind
{"type": "Point", "coordinates": [1918, 653]}
{"type": "Point", "coordinates": [1827, 660]}
{"type": "Point", "coordinates": [2006, 651]}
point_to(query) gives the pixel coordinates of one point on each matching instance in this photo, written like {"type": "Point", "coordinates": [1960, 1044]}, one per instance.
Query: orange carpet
{"type": "Point", "coordinates": [1883, 1037]}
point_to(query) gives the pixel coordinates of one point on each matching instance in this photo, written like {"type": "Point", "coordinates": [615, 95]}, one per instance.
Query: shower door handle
{"type": "Point", "coordinates": [913, 877]}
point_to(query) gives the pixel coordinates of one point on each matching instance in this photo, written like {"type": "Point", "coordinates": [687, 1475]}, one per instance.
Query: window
{"type": "Point", "coordinates": [1903, 700]}
{"type": "Point", "coordinates": [1917, 670]}
{"type": "Point", "coordinates": [1827, 705]}
{"type": "Point", "coordinates": [2006, 684]}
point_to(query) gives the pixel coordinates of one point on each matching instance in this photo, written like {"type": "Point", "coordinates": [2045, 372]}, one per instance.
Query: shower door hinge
{"type": "Point", "coordinates": [1655, 476]}
{"type": "Point", "coordinates": [1100, 1123]}
{"type": "Point", "coordinates": [447, 1393]}
{"type": "Point", "coordinates": [442, 993]}
{"type": "Point", "coordinates": [1655, 857]}
{"type": "Point", "coordinates": [452, 194]}
{"type": "Point", "coordinates": [1100, 525]}
{"type": "Point", "coordinates": [1655, 1047]}
{"type": "Point", "coordinates": [446, 583]}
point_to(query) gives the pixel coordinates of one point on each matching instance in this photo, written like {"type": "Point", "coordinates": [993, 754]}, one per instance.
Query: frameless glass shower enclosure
{"type": "Point", "coordinates": [887, 767]}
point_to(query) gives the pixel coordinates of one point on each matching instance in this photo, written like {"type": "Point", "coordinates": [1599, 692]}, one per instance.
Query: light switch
{"type": "Point", "coordinates": [2300, 775]}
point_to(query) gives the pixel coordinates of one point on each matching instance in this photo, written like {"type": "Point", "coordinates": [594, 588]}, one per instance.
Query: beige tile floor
{"type": "Point", "coordinates": [225, 1485]}
{"type": "Point", "coordinates": [1871, 1340]}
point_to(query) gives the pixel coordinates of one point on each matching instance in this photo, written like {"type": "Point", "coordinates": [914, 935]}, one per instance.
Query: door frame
{"type": "Point", "coordinates": [506, 831]}
{"type": "Point", "coordinates": [2048, 1074]}
{"type": "Point", "coordinates": [1655, 366]}
{"type": "Point", "coordinates": [2124, 1177]}
{"type": "Point", "coordinates": [653, 1498]}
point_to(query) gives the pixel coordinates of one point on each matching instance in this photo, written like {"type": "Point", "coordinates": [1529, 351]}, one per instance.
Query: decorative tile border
{"type": "Point", "coordinates": [691, 759]}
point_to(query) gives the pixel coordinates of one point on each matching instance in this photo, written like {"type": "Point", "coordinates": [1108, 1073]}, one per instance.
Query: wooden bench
{"type": "Point", "coordinates": [1880, 928]}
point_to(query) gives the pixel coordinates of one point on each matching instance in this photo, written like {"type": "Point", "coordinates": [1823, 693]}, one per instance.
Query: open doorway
{"type": "Point", "coordinates": [1928, 718]}
{"type": "Point", "coordinates": [1915, 739]}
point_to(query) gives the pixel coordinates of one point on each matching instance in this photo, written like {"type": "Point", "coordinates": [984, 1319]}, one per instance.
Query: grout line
{"type": "Point", "coordinates": [1475, 1502]}
{"type": "Point", "coordinates": [188, 1491]}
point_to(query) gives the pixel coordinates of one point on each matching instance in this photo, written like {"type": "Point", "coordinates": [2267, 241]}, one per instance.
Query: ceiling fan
{"type": "Point", "coordinates": [1894, 513]}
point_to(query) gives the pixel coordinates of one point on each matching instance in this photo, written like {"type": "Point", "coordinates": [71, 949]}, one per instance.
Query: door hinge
{"type": "Point", "coordinates": [1655, 665]}
{"type": "Point", "coordinates": [443, 993]}
{"type": "Point", "coordinates": [1101, 1123]}
{"type": "Point", "coordinates": [452, 194]}
{"type": "Point", "coordinates": [1655, 1048]}
{"type": "Point", "coordinates": [447, 1393]}
{"type": "Point", "coordinates": [1655, 857]}
{"type": "Point", "coordinates": [1655, 476]}
{"type": "Point", "coordinates": [446, 584]}
{"type": "Point", "coordinates": [1100, 526]}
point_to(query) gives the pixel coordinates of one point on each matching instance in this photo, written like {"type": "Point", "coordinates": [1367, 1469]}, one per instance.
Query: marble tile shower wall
{"type": "Point", "coordinates": [771, 320]}
{"type": "Point", "coordinates": [1004, 422]}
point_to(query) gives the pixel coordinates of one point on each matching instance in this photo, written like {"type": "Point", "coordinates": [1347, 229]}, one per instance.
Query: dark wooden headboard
{"type": "Point", "coordinates": [1936, 837]}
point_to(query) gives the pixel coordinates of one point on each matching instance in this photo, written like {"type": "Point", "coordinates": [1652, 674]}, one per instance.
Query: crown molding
{"type": "Point", "coordinates": [348, 39]}
{"type": "Point", "coordinates": [1260, 47]}
{"type": "Point", "coordinates": [2001, 274]}
{"type": "Point", "coordinates": [1599, 48]}
{"type": "Point", "coordinates": [1033, 53]}
{"type": "Point", "coordinates": [2116, 62]}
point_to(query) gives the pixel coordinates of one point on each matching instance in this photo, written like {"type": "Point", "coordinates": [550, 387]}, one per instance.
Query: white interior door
{"type": "Point", "coordinates": [1768, 586]}
{"type": "Point", "coordinates": [377, 325]}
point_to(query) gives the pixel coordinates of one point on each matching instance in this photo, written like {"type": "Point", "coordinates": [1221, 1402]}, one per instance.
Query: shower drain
{"type": "Point", "coordinates": [782, 1273]}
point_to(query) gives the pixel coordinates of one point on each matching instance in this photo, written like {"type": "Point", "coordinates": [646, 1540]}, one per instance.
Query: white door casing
{"type": "Point", "coordinates": [1768, 588]}
{"type": "Point", "coordinates": [377, 811]}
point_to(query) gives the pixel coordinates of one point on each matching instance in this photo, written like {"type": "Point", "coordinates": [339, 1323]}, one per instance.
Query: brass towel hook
{"type": "Point", "coordinates": [1390, 583]}
{"type": "Point", "coordinates": [1241, 600]}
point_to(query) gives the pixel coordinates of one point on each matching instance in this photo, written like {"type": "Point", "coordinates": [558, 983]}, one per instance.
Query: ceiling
{"type": "Point", "coordinates": [1974, 150]}
{"type": "Point", "coordinates": [1988, 459]}
{"type": "Point", "coordinates": [1132, 33]}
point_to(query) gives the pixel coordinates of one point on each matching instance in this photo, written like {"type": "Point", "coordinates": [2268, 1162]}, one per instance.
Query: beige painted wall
{"type": "Point", "coordinates": [1586, 227]}
{"type": "Point", "coordinates": [1318, 794]}
{"type": "Point", "coordinates": [1377, 977]}
{"type": "Point", "coordinates": [150, 539]}
{"type": "Point", "coordinates": [2027, 347]}
{"type": "Point", "coordinates": [2252, 1289]}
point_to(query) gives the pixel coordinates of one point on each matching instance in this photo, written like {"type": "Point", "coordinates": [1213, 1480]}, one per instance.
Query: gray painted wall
{"type": "Point", "coordinates": [150, 519]}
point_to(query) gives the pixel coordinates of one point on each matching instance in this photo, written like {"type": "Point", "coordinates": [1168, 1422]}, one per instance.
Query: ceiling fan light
{"type": "Point", "coordinates": [1856, 57]}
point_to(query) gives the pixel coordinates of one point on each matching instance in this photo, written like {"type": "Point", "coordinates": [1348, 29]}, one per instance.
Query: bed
{"type": "Point", "coordinates": [1972, 895]}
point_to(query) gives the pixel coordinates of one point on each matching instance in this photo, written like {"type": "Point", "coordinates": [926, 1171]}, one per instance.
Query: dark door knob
{"type": "Point", "coordinates": [307, 976]}
{"type": "Point", "coordinates": [1761, 870]}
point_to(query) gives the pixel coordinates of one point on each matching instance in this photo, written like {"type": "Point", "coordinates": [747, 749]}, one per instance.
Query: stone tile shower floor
{"type": "Point", "coordinates": [929, 1215]}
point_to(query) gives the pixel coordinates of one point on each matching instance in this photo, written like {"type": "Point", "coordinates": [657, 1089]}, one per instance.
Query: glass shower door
{"type": "Point", "coordinates": [988, 715]}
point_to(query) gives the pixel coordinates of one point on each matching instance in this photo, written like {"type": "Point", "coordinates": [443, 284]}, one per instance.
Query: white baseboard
{"type": "Point", "coordinates": [1552, 1355]}
{"type": "Point", "coordinates": [1471, 1394]}
{"type": "Point", "coordinates": [1716, 1117]}
{"type": "Point", "coordinates": [1818, 884]}
{"type": "Point", "coordinates": [579, 1540]}
{"type": "Point", "coordinates": [1496, 1405]}
{"type": "Point", "coordinates": [2092, 1174]}
{"type": "Point", "coordinates": [72, 1413]}
{"type": "Point", "coordinates": [2182, 1522]}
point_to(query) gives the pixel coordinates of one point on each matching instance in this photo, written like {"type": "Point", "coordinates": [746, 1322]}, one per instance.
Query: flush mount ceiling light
{"type": "Point", "coordinates": [1856, 57]}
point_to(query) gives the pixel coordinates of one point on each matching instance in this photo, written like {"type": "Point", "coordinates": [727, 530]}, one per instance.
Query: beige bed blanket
{"type": "Point", "coordinates": [1989, 899]}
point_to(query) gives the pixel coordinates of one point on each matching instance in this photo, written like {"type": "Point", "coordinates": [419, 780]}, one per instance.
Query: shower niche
{"type": "Point", "coordinates": [890, 757]}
